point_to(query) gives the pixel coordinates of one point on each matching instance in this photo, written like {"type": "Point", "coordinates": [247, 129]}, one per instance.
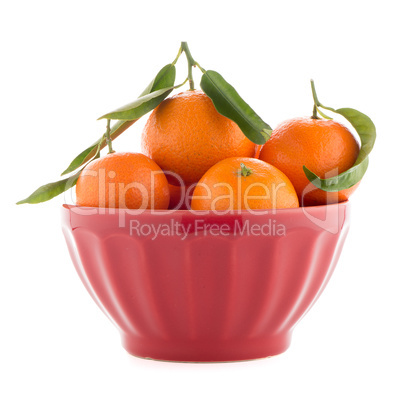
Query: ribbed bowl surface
{"type": "Point", "coordinates": [187, 287]}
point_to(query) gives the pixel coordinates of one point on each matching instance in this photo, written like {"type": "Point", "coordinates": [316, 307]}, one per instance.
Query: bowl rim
{"type": "Point", "coordinates": [179, 212]}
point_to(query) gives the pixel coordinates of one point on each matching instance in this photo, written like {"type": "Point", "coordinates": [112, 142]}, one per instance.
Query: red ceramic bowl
{"type": "Point", "coordinates": [186, 287]}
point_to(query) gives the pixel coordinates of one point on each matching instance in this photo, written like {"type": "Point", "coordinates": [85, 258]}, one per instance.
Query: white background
{"type": "Point", "coordinates": [66, 63]}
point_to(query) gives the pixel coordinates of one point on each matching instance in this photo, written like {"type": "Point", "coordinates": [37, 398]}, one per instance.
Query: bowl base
{"type": "Point", "coordinates": [201, 362]}
{"type": "Point", "coordinates": [206, 351]}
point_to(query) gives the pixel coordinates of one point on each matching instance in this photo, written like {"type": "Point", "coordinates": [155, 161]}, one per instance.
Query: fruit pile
{"type": "Point", "coordinates": [208, 150]}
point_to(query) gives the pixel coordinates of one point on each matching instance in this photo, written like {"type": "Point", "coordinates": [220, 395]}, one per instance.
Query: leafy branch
{"type": "Point", "coordinates": [225, 98]}
{"type": "Point", "coordinates": [367, 132]}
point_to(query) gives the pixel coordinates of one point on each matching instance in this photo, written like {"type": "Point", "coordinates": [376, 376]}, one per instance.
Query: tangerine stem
{"type": "Point", "coordinates": [108, 140]}
{"type": "Point", "coordinates": [318, 104]}
{"type": "Point", "coordinates": [244, 170]}
{"type": "Point", "coordinates": [98, 148]}
{"type": "Point", "coordinates": [202, 70]}
{"type": "Point", "coordinates": [316, 101]}
{"type": "Point", "coordinates": [178, 55]}
{"type": "Point", "coordinates": [191, 63]}
{"type": "Point", "coordinates": [315, 116]}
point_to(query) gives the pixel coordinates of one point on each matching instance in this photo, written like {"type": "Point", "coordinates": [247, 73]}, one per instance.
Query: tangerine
{"type": "Point", "coordinates": [123, 180]}
{"type": "Point", "coordinates": [243, 183]}
{"type": "Point", "coordinates": [186, 135]}
{"type": "Point", "coordinates": [326, 147]}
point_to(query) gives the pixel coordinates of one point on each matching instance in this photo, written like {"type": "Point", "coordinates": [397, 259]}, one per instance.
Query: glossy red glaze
{"type": "Point", "coordinates": [212, 296]}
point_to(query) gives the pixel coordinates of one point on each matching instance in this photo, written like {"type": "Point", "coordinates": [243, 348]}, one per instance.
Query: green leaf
{"type": "Point", "coordinates": [342, 181]}
{"type": "Point", "coordinates": [165, 78]}
{"type": "Point", "coordinates": [140, 106]}
{"type": "Point", "coordinates": [367, 132]}
{"type": "Point", "coordinates": [51, 190]}
{"type": "Point", "coordinates": [365, 129]}
{"type": "Point", "coordinates": [229, 103]}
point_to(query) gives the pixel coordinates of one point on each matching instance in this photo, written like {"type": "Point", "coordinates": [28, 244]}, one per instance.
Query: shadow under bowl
{"type": "Point", "coordinates": [182, 286]}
